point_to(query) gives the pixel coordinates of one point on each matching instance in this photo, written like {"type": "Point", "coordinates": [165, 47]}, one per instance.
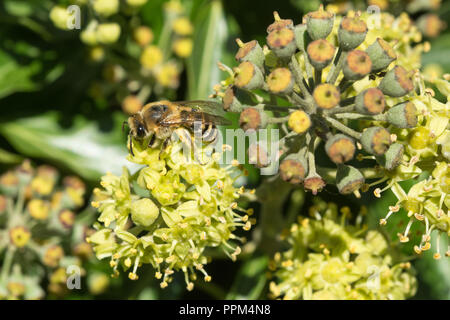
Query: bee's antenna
{"type": "Point", "coordinates": [131, 144]}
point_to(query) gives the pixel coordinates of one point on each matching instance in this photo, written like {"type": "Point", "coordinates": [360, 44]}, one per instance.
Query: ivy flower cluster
{"type": "Point", "coordinates": [427, 21]}
{"type": "Point", "coordinates": [326, 106]}
{"type": "Point", "coordinates": [168, 213]}
{"type": "Point", "coordinates": [136, 62]}
{"type": "Point", "coordinates": [426, 159]}
{"type": "Point", "coordinates": [39, 236]}
{"type": "Point", "coordinates": [328, 258]}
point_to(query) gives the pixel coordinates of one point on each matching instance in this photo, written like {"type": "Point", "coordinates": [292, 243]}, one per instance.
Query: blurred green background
{"type": "Point", "coordinates": [49, 114]}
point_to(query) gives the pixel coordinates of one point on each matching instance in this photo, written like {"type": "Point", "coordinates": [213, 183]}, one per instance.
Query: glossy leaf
{"type": "Point", "coordinates": [83, 148]}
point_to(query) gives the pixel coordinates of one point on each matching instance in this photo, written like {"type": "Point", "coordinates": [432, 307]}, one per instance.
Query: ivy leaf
{"type": "Point", "coordinates": [212, 44]}
{"type": "Point", "coordinates": [83, 148]}
{"type": "Point", "coordinates": [14, 77]}
{"type": "Point", "coordinates": [250, 280]}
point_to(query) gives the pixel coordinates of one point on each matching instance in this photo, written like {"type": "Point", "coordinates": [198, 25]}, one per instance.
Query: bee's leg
{"type": "Point", "coordinates": [210, 133]}
{"type": "Point", "coordinates": [131, 145]}
{"type": "Point", "coordinates": [152, 141]}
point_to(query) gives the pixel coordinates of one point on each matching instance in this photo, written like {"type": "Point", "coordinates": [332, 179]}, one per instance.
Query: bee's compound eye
{"type": "Point", "coordinates": [140, 131]}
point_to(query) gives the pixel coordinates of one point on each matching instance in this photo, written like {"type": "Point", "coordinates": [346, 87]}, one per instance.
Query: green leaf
{"type": "Point", "coordinates": [435, 273]}
{"type": "Point", "coordinates": [18, 8]}
{"type": "Point", "coordinates": [83, 148]}
{"type": "Point", "coordinates": [250, 281]}
{"type": "Point", "coordinates": [211, 38]}
{"type": "Point", "coordinates": [8, 157]}
{"type": "Point", "coordinates": [439, 53]}
{"type": "Point", "coordinates": [14, 77]}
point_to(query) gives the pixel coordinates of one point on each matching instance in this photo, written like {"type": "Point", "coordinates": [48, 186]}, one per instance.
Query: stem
{"type": "Point", "coordinates": [20, 201]}
{"type": "Point", "coordinates": [7, 263]}
{"type": "Point", "coordinates": [309, 70]}
{"type": "Point", "coordinates": [337, 66]}
{"type": "Point", "coordinates": [295, 68]}
{"type": "Point", "coordinates": [338, 110]}
{"type": "Point", "coordinates": [348, 101]}
{"type": "Point", "coordinates": [299, 100]}
{"type": "Point", "coordinates": [343, 128]}
{"type": "Point", "coordinates": [271, 222]}
{"type": "Point", "coordinates": [318, 76]}
{"type": "Point", "coordinates": [278, 120]}
{"type": "Point", "coordinates": [144, 93]}
{"type": "Point", "coordinates": [344, 85]}
{"type": "Point", "coordinates": [329, 174]}
{"type": "Point", "coordinates": [353, 116]}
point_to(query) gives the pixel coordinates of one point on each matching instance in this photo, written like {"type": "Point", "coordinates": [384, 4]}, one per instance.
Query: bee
{"type": "Point", "coordinates": [158, 120]}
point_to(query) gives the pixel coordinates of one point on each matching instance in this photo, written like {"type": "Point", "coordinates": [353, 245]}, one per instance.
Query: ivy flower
{"type": "Point", "coordinates": [328, 258]}
{"type": "Point", "coordinates": [168, 213]}
{"type": "Point", "coordinates": [37, 214]}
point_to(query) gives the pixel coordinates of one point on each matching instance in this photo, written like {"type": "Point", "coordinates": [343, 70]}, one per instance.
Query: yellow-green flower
{"type": "Point", "coordinates": [328, 258]}
{"type": "Point", "coordinates": [167, 214]}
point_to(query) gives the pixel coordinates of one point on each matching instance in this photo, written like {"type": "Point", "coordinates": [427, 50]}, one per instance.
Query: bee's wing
{"type": "Point", "coordinates": [204, 111]}
{"type": "Point", "coordinates": [210, 107]}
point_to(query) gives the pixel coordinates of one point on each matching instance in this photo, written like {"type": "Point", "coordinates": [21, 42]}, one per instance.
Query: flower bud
{"type": "Point", "coordinates": [370, 101]}
{"type": "Point", "coordinates": [248, 76]}
{"type": "Point", "coordinates": [97, 282]}
{"type": "Point", "coordinates": [300, 32]}
{"type": "Point", "coordinates": [182, 26]}
{"type": "Point", "coordinates": [106, 8]}
{"type": "Point", "coordinates": [280, 81]}
{"type": "Point", "coordinates": [183, 47]}
{"type": "Point", "coordinates": [280, 23]}
{"type": "Point", "coordinates": [136, 3]}
{"type": "Point", "coordinates": [19, 236]}
{"type": "Point", "coordinates": [252, 119]}
{"type": "Point", "coordinates": [131, 104]}
{"type": "Point", "coordinates": [393, 156]}
{"type": "Point", "coordinates": [38, 209]}
{"type": "Point", "coordinates": [320, 53]}
{"type": "Point", "coordinates": [9, 183]}
{"type": "Point", "coordinates": [52, 256]}
{"type": "Point", "coordinates": [351, 33]}
{"type": "Point", "coordinates": [89, 34]}
{"type": "Point", "coordinates": [326, 96]}
{"type": "Point", "coordinates": [250, 51]}
{"type": "Point", "coordinates": [381, 54]}
{"type": "Point", "coordinates": [282, 42]}
{"type": "Point", "coordinates": [348, 179]}
{"type": "Point", "coordinates": [396, 82]}
{"type": "Point", "coordinates": [376, 140]}
{"type": "Point", "coordinates": [357, 65]}
{"type": "Point", "coordinates": [66, 218]}
{"type": "Point", "coordinates": [2, 204]}
{"type": "Point", "coordinates": [143, 35]}
{"type": "Point", "coordinates": [168, 75]}
{"type": "Point", "coordinates": [314, 183]}
{"type": "Point", "coordinates": [144, 212]}
{"type": "Point", "coordinates": [340, 148]}
{"type": "Point", "coordinates": [293, 169]}
{"type": "Point", "coordinates": [403, 115]}
{"type": "Point", "coordinates": [319, 23]}
{"type": "Point", "coordinates": [59, 16]}
{"type": "Point", "coordinates": [258, 156]}
{"type": "Point", "coordinates": [420, 138]}
{"type": "Point", "coordinates": [151, 56]}
{"type": "Point", "coordinates": [430, 25]}
{"type": "Point", "coordinates": [299, 121]}
{"type": "Point", "coordinates": [108, 33]}
{"type": "Point", "coordinates": [236, 99]}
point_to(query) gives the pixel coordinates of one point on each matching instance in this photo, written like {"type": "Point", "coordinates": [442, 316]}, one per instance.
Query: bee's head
{"type": "Point", "coordinates": [137, 126]}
